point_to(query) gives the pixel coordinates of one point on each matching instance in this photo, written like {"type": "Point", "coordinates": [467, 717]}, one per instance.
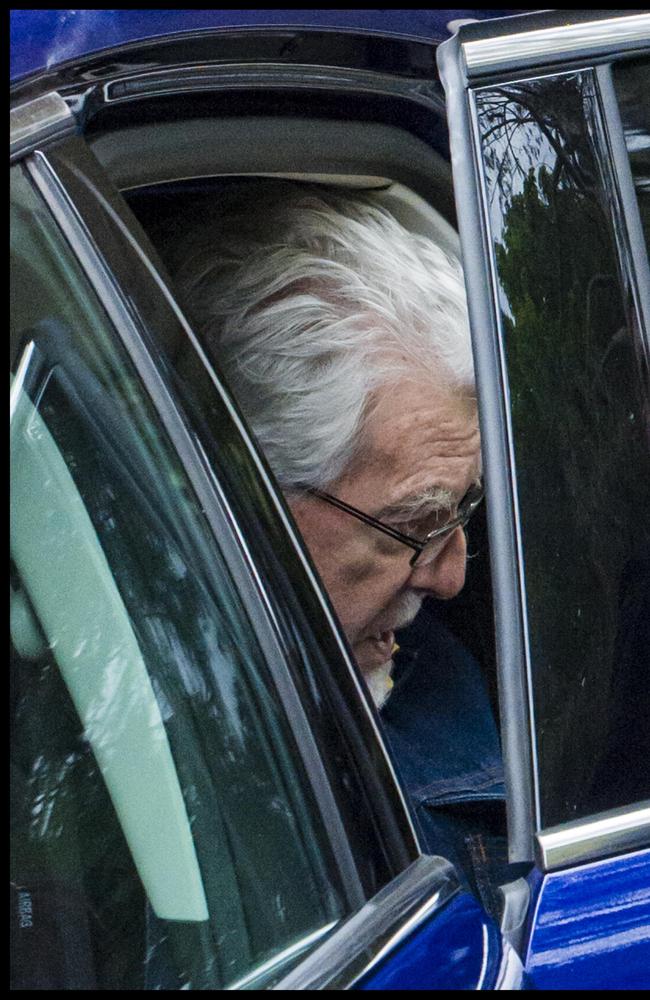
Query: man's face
{"type": "Point", "coordinates": [418, 439]}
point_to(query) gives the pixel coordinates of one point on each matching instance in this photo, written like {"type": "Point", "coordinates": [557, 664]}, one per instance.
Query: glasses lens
{"type": "Point", "coordinates": [466, 508]}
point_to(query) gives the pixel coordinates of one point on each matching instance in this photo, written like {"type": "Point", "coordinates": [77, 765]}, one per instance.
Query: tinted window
{"type": "Point", "coordinates": [579, 408]}
{"type": "Point", "coordinates": [164, 834]}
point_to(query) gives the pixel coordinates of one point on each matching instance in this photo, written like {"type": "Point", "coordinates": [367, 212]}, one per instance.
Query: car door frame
{"type": "Point", "coordinates": [490, 52]}
{"type": "Point", "coordinates": [609, 843]}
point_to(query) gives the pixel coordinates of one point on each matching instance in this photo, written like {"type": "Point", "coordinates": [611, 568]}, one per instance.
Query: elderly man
{"type": "Point", "coordinates": [345, 339]}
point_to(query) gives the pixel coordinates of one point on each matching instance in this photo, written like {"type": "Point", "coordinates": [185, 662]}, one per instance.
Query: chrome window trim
{"type": "Point", "coordinates": [537, 47]}
{"type": "Point", "coordinates": [506, 556]}
{"type": "Point", "coordinates": [256, 978]}
{"type": "Point", "coordinates": [613, 832]}
{"type": "Point", "coordinates": [366, 938]}
{"type": "Point", "coordinates": [32, 123]}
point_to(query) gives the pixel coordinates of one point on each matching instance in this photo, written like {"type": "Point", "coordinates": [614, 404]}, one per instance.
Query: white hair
{"type": "Point", "coordinates": [310, 300]}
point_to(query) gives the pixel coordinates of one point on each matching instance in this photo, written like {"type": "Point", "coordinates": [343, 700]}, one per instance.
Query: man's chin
{"type": "Point", "coordinates": [374, 650]}
{"type": "Point", "coordinates": [379, 682]}
{"type": "Point", "coordinates": [374, 653]}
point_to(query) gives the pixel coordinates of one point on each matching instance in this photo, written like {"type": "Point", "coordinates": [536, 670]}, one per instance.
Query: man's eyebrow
{"type": "Point", "coordinates": [427, 501]}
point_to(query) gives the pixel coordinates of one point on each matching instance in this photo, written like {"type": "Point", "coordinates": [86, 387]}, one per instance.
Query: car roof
{"type": "Point", "coordinates": [43, 39]}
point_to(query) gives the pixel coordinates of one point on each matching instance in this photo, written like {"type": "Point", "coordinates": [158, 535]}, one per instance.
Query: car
{"type": "Point", "coordinates": [203, 795]}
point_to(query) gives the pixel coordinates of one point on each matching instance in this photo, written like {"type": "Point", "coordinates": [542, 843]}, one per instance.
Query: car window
{"type": "Point", "coordinates": [579, 411]}
{"type": "Point", "coordinates": [632, 84]}
{"type": "Point", "coordinates": [164, 831]}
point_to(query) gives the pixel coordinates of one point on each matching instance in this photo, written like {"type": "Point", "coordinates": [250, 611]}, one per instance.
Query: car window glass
{"type": "Point", "coordinates": [579, 411]}
{"type": "Point", "coordinates": [164, 833]}
{"type": "Point", "coordinates": [632, 84]}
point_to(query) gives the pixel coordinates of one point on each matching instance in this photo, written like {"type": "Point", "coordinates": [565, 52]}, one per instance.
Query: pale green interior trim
{"type": "Point", "coordinates": [80, 611]}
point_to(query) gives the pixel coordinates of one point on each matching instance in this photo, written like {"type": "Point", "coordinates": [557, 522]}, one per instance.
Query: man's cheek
{"type": "Point", "coordinates": [357, 572]}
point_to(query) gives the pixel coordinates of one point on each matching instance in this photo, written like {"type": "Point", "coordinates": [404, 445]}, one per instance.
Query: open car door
{"type": "Point", "coordinates": [549, 119]}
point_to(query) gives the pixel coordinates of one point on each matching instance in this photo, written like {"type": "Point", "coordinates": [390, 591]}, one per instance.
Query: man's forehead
{"type": "Point", "coordinates": [412, 420]}
{"type": "Point", "coordinates": [418, 438]}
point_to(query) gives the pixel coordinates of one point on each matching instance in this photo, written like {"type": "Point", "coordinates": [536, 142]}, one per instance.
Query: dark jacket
{"type": "Point", "coordinates": [441, 729]}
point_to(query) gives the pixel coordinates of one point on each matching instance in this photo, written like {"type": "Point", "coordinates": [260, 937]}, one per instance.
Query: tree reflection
{"type": "Point", "coordinates": [537, 123]}
{"type": "Point", "coordinates": [577, 406]}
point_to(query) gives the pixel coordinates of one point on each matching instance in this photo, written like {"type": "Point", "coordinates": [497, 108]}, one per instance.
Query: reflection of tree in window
{"type": "Point", "coordinates": [577, 409]}
{"type": "Point", "coordinates": [537, 123]}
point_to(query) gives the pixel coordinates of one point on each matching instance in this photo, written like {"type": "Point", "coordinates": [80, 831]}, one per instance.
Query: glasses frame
{"type": "Point", "coordinates": [466, 508]}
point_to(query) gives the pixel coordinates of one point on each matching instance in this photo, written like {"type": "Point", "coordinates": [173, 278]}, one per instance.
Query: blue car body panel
{"type": "Point", "coordinates": [42, 39]}
{"type": "Point", "coordinates": [459, 949]}
{"type": "Point", "coordinates": [591, 926]}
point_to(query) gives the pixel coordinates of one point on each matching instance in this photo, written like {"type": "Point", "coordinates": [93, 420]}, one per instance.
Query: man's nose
{"type": "Point", "coordinates": [445, 575]}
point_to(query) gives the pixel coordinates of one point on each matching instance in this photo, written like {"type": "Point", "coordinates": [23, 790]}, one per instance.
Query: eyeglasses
{"type": "Point", "coordinates": [428, 548]}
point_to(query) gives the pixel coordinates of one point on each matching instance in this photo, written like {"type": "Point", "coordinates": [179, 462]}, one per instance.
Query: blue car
{"type": "Point", "coordinates": [203, 794]}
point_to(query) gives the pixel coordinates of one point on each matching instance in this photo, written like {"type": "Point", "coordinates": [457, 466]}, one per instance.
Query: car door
{"type": "Point", "coordinates": [549, 119]}
{"type": "Point", "coordinates": [202, 795]}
